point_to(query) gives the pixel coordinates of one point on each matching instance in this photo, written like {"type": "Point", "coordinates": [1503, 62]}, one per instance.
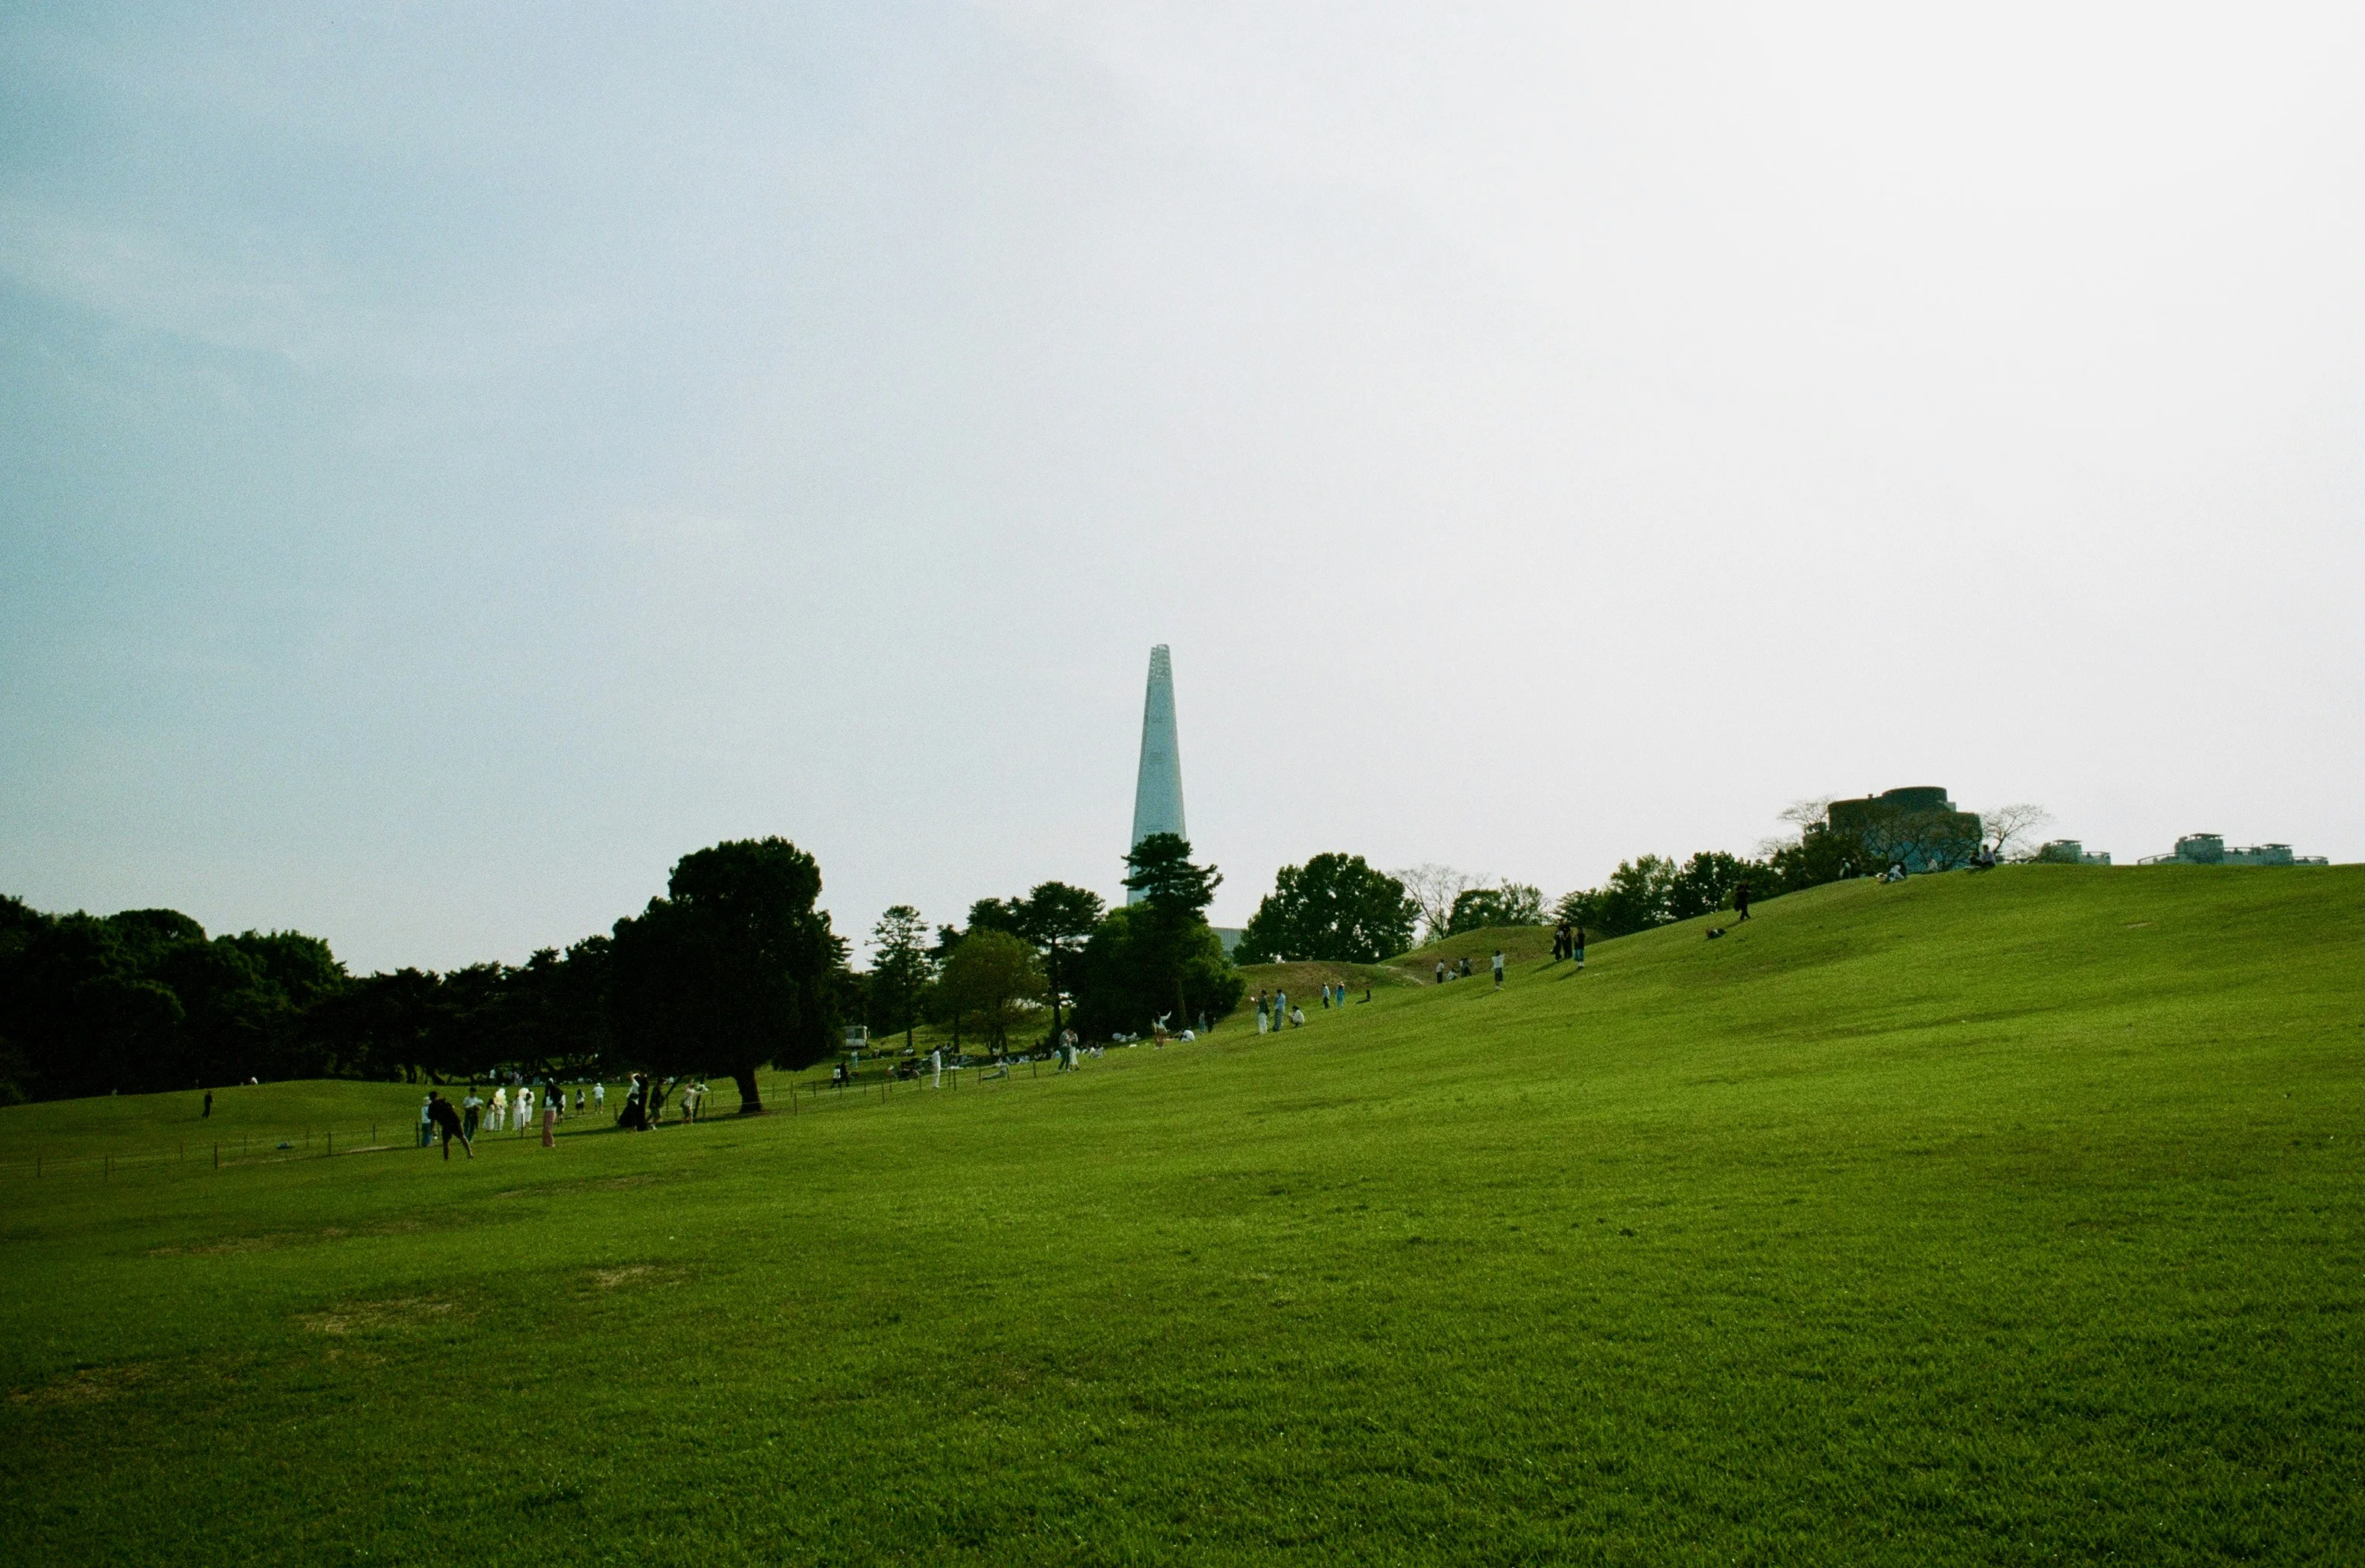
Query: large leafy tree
{"type": "Point", "coordinates": [1132, 973]}
{"type": "Point", "coordinates": [1058, 920]}
{"type": "Point", "coordinates": [733, 968]}
{"type": "Point", "coordinates": [992, 978]}
{"type": "Point", "coordinates": [1158, 957]}
{"type": "Point", "coordinates": [899, 969]}
{"type": "Point", "coordinates": [1335, 908]}
{"type": "Point", "coordinates": [1513, 904]}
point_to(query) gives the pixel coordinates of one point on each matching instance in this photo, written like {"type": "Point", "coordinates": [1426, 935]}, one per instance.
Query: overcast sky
{"type": "Point", "coordinates": [454, 460]}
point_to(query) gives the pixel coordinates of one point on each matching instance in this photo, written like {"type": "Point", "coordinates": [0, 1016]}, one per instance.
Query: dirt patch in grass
{"type": "Point", "coordinates": [629, 1273]}
{"type": "Point", "coordinates": [361, 1317]}
{"type": "Point", "coordinates": [87, 1386]}
{"type": "Point", "coordinates": [562, 1189]}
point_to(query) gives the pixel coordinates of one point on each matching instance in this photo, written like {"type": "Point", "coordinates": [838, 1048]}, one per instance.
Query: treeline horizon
{"type": "Point", "coordinates": [736, 966]}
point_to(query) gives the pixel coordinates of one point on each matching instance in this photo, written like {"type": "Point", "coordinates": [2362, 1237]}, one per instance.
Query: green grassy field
{"type": "Point", "coordinates": [1988, 1219]}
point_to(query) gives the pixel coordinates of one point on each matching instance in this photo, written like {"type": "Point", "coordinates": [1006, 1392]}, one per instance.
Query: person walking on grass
{"type": "Point", "coordinates": [1498, 969]}
{"type": "Point", "coordinates": [427, 1120]}
{"type": "Point", "coordinates": [600, 1096]}
{"type": "Point", "coordinates": [1579, 947]}
{"type": "Point", "coordinates": [472, 1114]}
{"type": "Point", "coordinates": [550, 1122]}
{"type": "Point", "coordinates": [209, 1105]}
{"type": "Point", "coordinates": [445, 1119]}
{"type": "Point", "coordinates": [1740, 902]}
{"type": "Point", "coordinates": [1440, 971]}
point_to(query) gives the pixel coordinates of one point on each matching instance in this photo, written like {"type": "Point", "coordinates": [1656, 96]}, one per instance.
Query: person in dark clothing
{"type": "Point", "coordinates": [209, 1105]}
{"type": "Point", "coordinates": [446, 1119]}
{"type": "Point", "coordinates": [1578, 947]}
{"type": "Point", "coordinates": [1741, 901]}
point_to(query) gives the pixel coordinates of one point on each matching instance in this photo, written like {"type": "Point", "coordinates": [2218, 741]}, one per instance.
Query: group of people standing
{"type": "Point", "coordinates": [1273, 1010]}
{"type": "Point", "coordinates": [1568, 942]}
{"type": "Point", "coordinates": [505, 1106]}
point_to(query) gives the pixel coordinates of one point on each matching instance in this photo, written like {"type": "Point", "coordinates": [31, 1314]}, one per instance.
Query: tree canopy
{"type": "Point", "coordinates": [733, 968]}
{"type": "Point", "coordinates": [1335, 908]}
{"type": "Point", "coordinates": [1058, 920]}
{"type": "Point", "coordinates": [1513, 904]}
{"type": "Point", "coordinates": [1158, 957]}
{"type": "Point", "coordinates": [993, 979]}
{"type": "Point", "coordinates": [145, 1001]}
{"type": "Point", "coordinates": [899, 969]}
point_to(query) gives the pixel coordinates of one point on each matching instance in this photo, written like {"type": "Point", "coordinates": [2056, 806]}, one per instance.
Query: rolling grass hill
{"type": "Point", "coordinates": [2000, 1218]}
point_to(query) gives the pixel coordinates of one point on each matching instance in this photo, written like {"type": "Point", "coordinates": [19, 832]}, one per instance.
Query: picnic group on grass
{"type": "Point", "coordinates": [514, 1106]}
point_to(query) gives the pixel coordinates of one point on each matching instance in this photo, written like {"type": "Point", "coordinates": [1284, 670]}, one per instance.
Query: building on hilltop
{"type": "Point", "coordinates": [1916, 825]}
{"type": "Point", "coordinates": [1158, 787]}
{"type": "Point", "coordinates": [2070, 852]}
{"type": "Point", "coordinates": [2208, 849]}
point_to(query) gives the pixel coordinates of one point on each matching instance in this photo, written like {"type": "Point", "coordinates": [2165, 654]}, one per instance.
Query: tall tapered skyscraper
{"type": "Point", "coordinates": [1157, 791]}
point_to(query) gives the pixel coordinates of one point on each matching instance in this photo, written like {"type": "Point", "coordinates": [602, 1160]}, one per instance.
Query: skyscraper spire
{"type": "Point", "coordinates": [1157, 791]}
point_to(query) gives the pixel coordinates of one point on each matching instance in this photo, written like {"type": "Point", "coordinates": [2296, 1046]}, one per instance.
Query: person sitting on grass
{"type": "Point", "coordinates": [445, 1118]}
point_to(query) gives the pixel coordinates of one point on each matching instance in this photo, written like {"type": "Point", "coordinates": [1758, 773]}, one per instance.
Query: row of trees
{"type": "Point", "coordinates": [1653, 889]}
{"type": "Point", "coordinates": [736, 965]}
{"type": "Point", "coordinates": [1058, 950]}
{"type": "Point", "coordinates": [1337, 907]}
{"type": "Point", "coordinates": [734, 968]}
{"type": "Point", "coordinates": [145, 997]}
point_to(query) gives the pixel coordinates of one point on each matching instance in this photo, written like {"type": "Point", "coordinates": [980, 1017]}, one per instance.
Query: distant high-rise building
{"type": "Point", "coordinates": [1157, 789]}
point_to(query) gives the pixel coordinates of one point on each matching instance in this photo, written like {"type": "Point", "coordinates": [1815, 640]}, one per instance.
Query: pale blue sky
{"type": "Point", "coordinates": [455, 460]}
